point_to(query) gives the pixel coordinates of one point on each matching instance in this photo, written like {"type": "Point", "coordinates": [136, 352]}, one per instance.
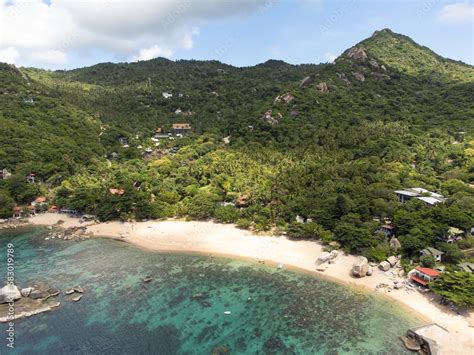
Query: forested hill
{"type": "Point", "coordinates": [329, 142]}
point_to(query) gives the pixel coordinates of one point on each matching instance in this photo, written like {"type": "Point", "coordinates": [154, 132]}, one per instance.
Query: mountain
{"type": "Point", "coordinates": [406, 56]}
{"type": "Point", "coordinates": [330, 142]}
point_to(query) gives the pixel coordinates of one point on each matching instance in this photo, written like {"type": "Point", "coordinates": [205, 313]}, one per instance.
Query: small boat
{"type": "Point", "coordinates": [227, 312]}
{"type": "Point", "coordinates": [147, 279]}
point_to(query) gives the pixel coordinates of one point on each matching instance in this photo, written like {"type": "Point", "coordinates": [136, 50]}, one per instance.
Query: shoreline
{"type": "Point", "coordinates": [225, 240]}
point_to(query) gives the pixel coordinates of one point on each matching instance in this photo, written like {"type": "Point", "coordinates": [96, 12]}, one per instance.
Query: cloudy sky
{"type": "Point", "coordinates": [57, 34]}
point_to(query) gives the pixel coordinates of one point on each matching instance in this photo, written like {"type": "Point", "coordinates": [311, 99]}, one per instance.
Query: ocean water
{"type": "Point", "coordinates": [182, 310]}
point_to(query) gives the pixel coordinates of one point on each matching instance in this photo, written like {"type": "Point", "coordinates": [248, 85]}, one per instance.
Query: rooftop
{"type": "Point", "coordinates": [428, 271]}
{"type": "Point", "coordinates": [432, 251]}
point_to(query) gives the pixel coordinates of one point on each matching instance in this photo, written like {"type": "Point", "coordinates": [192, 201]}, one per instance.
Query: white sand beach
{"type": "Point", "coordinates": [222, 239]}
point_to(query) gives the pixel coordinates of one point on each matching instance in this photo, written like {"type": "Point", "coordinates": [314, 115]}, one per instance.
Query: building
{"type": "Point", "coordinates": [423, 275]}
{"type": "Point", "coordinates": [167, 95]}
{"type": "Point", "coordinates": [181, 128]}
{"type": "Point", "coordinates": [123, 141]}
{"type": "Point", "coordinates": [467, 267]}
{"type": "Point", "coordinates": [17, 212]}
{"type": "Point", "coordinates": [39, 202]}
{"type": "Point", "coordinates": [29, 100]}
{"type": "Point", "coordinates": [4, 174]}
{"type": "Point", "coordinates": [454, 235]}
{"type": "Point", "coordinates": [428, 197]}
{"type": "Point", "coordinates": [435, 253]}
{"type": "Point", "coordinates": [31, 178]}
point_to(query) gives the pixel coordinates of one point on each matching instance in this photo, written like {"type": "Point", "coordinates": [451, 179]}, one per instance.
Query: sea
{"type": "Point", "coordinates": [194, 304]}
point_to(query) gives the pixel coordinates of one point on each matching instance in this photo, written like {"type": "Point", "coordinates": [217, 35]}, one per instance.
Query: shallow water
{"type": "Point", "coordinates": [181, 311]}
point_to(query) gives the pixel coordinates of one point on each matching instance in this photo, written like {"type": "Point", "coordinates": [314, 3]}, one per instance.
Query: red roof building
{"type": "Point", "coordinates": [424, 275]}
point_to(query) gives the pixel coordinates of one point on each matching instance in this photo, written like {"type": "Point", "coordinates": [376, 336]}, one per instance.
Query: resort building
{"type": "Point", "coordinates": [39, 202]}
{"type": "Point", "coordinates": [4, 174]}
{"type": "Point", "coordinates": [181, 128]}
{"type": "Point", "coordinates": [31, 178]}
{"type": "Point", "coordinates": [428, 197]}
{"type": "Point", "coordinates": [123, 141]}
{"type": "Point", "coordinates": [423, 275]}
{"type": "Point", "coordinates": [435, 253]}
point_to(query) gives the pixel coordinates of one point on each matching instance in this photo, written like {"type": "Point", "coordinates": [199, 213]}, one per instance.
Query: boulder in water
{"type": "Point", "coordinates": [78, 289]}
{"type": "Point", "coordinates": [9, 293]}
{"type": "Point", "coordinates": [25, 292]}
{"type": "Point", "coordinates": [36, 294]}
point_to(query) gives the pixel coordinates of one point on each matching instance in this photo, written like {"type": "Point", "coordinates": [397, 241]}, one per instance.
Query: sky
{"type": "Point", "coordinates": [59, 34]}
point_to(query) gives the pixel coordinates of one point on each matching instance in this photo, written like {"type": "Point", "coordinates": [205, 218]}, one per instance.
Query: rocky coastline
{"type": "Point", "coordinates": [17, 303]}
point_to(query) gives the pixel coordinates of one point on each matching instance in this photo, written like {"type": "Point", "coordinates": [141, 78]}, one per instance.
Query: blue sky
{"type": "Point", "coordinates": [58, 34]}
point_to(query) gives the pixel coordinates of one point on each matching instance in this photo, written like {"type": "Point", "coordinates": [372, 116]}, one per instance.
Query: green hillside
{"type": "Point", "coordinates": [328, 142]}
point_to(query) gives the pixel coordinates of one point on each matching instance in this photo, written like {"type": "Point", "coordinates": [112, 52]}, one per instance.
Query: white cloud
{"type": "Point", "coordinates": [52, 56]}
{"type": "Point", "coordinates": [9, 55]}
{"type": "Point", "coordinates": [330, 57]}
{"type": "Point", "coordinates": [153, 52]}
{"type": "Point", "coordinates": [35, 33]}
{"type": "Point", "coordinates": [457, 13]}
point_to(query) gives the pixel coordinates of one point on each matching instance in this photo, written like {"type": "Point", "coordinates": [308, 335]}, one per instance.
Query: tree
{"type": "Point", "coordinates": [457, 287]}
{"type": "Point", "coordinates": [452, 253]}
{"type": "Point", "coordinates": [308, 231]}
{"type": "Point", "coordinates": [342, 205]}
{"type": "Point", "coordinates": [226, 214]}
{"type": "Point", "coordinates": [428, 261]}
{"type": "Point", "coordinates": [6, 205]}
{"type": "Point", "coordinates": [201, 206]}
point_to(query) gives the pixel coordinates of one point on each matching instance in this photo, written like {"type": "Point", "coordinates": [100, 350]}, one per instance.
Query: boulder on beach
{"type": "Point", "coordinates": [384, 265]}
{"type": "Point", "coordinates": [9, 293]}
{"type": "Point", "coordinates": [392, 260]}
{"type": "Point", "coordinates": [370, 271]}
{"type": "Point", "coordinates": [360, 266]}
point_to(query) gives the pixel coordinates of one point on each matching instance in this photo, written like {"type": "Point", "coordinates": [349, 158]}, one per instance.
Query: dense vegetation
{"type": "Point", "coordinates": [329, 143]}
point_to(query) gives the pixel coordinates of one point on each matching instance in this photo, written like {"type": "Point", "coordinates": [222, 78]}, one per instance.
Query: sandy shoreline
{"type": "Point", "coordinates": [225, 240]}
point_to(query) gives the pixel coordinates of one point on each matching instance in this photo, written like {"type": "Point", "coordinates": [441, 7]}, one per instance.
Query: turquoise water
{"type": "Point", "coordinates": [181, 311]}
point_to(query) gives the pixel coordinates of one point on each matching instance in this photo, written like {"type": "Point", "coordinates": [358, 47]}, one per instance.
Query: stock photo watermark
{"type": "Point", "coordinates": [10, 332]}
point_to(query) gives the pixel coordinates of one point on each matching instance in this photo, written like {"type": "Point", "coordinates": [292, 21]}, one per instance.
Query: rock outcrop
{"type": "Point", "coordinates": [359, 76]}
{"type": "Point", "coordinates": [343, 77]}
{"type": "Point", "coordinates": [286, 98]}
{"type": "Point", "coordinates": [308, 80]}
{"type": "Point", "coordinates": [271, 118]}
{"type": "Point", "coordinates": [357, 54]}
{"type": "Point", "coordinates": [395, 244]}
{"type": "Point", "coordinates": [322, 87]}
{"type": "Point", "coordinates": [374, 63]}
